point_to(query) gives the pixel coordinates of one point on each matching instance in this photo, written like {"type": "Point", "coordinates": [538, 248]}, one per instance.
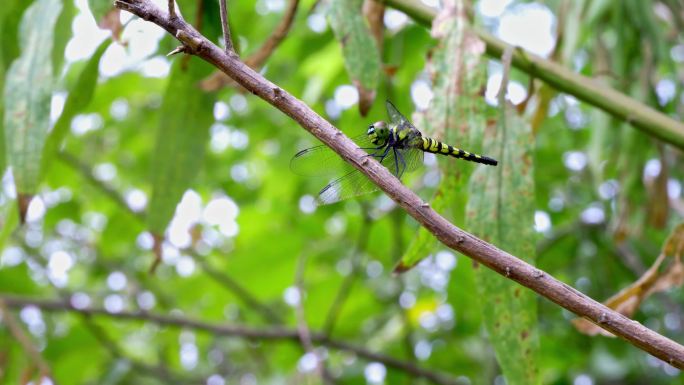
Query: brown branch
{"type": "Point", "coordinates": [450, 235]}
{"type": "Point", "coordinates": [257, 59]}
{"type": "Point", "coordinates": [273, 333]}
{"type": "Point", "coordinates": [219, 79]}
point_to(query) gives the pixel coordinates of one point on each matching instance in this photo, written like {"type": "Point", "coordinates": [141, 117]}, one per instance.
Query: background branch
{"type": "Point", "coordinates": [450, 235]}
{"type": "Point", "coordinates": [29, 347]}
{"type": "Point", "coordinates": [256, 60]}
{"type": "Point", "coordinates": [272, 333]}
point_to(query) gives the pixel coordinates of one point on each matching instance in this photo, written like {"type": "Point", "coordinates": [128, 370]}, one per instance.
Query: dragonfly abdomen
{"type": "Point", "coordinates": [437, 147]}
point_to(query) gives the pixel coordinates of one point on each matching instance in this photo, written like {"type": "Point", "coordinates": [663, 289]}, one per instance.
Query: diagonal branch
{"type": "Point", "coordinates": [639, 115]}
{"type": "Point", "coordinates": [450, 235]}
{"type": "Point", "coordinates": [273, 333]}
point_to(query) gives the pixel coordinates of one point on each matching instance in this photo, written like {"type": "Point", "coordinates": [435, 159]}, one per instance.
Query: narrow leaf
{"type": "Point", "coordinates": [456, 116]}
{"type": "Point", "coordinates": [27, 95]}
{"type": "Point", "coordinates": [10, 15]}
{"type": "Point", "coordinates": [501, 211]}
{"type": "Point", "coordinates": [360, 52]}
{"type": "Point", "coordinates": [80, 94]}
{"type": "Point", "coordinates": [186, 115]}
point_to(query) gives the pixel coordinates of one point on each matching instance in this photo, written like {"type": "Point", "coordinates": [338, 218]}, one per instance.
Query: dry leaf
{"type": "Point", "coordinates": [112, 21]}
{"type": "Point", "coordinates": [654, 280]}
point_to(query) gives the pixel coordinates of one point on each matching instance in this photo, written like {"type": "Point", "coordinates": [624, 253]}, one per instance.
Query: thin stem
{"type": "Point", "coordinates": [225, 26]}
{"type": "Point", "coordinates": [222, 329]}
{"type": "Point", "coordinates": [256, 60]}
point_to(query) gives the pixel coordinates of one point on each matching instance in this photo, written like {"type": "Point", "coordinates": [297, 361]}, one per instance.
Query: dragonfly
{"type": "Point", "coordinates": [398, 145]}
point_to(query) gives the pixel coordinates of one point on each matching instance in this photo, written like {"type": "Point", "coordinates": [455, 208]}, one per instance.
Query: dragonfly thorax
{"type": "Point", "coordinates": [378, 133]}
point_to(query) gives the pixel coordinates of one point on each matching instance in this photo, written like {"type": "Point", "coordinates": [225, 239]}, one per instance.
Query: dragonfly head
{"type": "Point", "coordinates": [378, 133]}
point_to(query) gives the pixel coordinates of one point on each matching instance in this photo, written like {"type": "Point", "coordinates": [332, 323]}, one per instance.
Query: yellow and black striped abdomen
{"type": "Point", "coordinates": [437, 147]}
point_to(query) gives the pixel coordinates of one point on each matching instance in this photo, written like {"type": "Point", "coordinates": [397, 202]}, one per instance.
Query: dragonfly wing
{"type": "Point", "coordinates": [355, 183]}
{"type": "Point", "coordinates": [352, 184]}
{"type": "Point", "coordinates": [323, 161]}
{"type": "Point", "coordinates": [413, 157]}
{"type": "Point", "coordinates": [395, 116]}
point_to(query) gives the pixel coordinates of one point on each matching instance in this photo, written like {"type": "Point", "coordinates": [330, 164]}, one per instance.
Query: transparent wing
{"type": "Point", "coordinates": [352, 184]}
{"type": "Point", "coordinates": [413, 158]}
{"type": "Point", "coordinates": [355, 183]}
{"type": "Point", "coordinates": [395, 116]}
{"type": "Point", "coordinates": [322, 161]}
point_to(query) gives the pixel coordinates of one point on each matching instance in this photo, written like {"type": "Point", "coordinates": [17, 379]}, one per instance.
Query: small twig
{"type": "Point", "coordinates": [273, 333]}
{"type": "Point", "coordinates": [225, 26]}
{"type": "Point", "coordinates": [25, 341]}
{"type": "Point", "coordinates": [256, 60]}
{"type": "Point", "coordinates": [179, 49]}
{"type": "Point", "coordinates": [172, 9]}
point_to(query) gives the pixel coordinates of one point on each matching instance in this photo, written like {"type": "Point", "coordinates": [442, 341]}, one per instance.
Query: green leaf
{"type": "Point", "coordinates": [186, 115]}
{"type": "Point", "coordinates": [358, 47]}
{"type": "Point", "coordinates": [27, 94]}
{"type": "Point", "coordinates": [424, 242]}
{"type": "Point", "coordinates": [80, 94]}
{"type": "Point", "coordinates": [456, 116]}
{"type": "Point", "coordinates": [10, 15]}
{"type": "Point", "coordinates": [8, 222]}
{"type": "Point", "coordinates": [63, 33]}
{"type": "Point", "coordinates": [501, 211]}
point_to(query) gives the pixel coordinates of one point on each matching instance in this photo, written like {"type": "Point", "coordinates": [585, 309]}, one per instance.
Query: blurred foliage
{"type": "Point", "coordinates": [606, 198]}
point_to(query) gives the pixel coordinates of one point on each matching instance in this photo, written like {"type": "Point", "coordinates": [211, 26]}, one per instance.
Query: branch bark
{"type": "Point", "coordinates": [272, 333]}
{"type": "Point", "coordinates": [639, 115]}
{"type": "Point", "coordinates": [450, 235]}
